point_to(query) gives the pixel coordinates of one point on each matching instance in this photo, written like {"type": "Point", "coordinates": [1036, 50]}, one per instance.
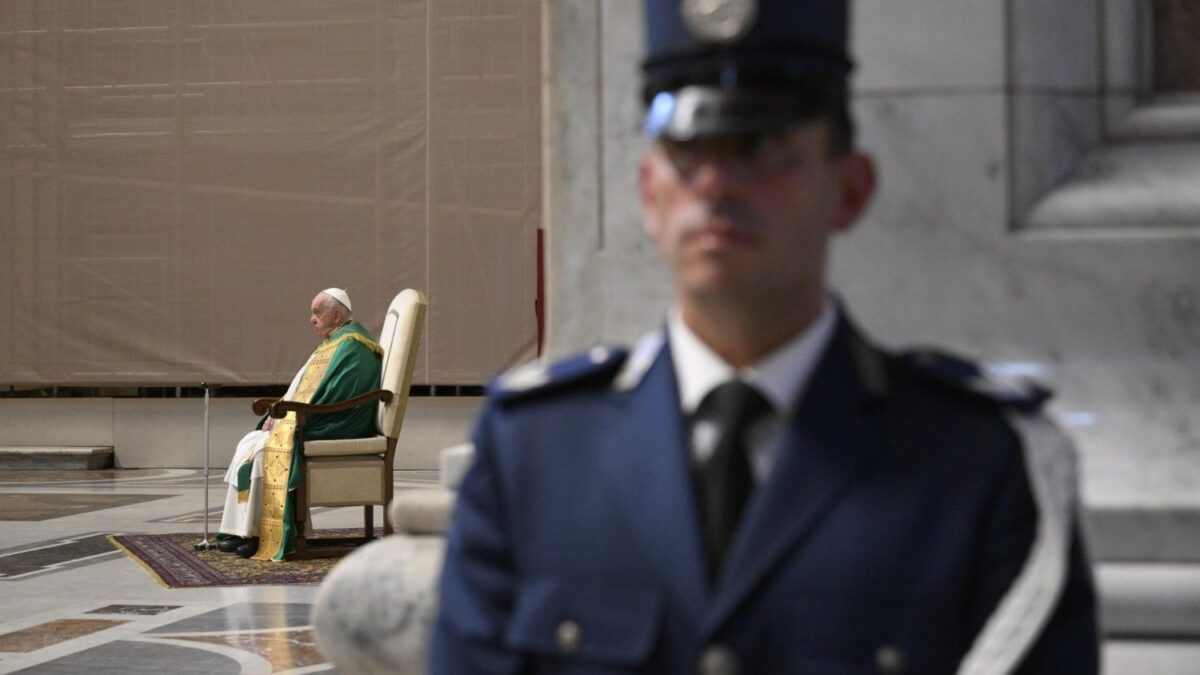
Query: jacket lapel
{"type": "Point", "coordinates": [832, 443]}
{"type": "Point", "coordinates": [650, 475]}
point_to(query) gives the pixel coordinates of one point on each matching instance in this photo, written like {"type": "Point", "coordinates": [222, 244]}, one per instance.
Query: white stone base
{"type": "Point", "coordinates": [423, 511]}
{"type": "Point", "coordinates": [374, 612]}
{"type": "Point", "coordinates": [454, 462]}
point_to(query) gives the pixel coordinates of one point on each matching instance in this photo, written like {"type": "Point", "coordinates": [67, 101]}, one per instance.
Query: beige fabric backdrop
{"type": "Point", "coordinates": [179, 177]}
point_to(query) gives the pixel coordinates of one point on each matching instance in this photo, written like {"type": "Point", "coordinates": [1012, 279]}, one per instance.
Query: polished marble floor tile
{"type": "Point", "coordinates": [137, 610]}
{"type": "Point", "coordinates": [242, 617]}
{"type": "Point", "coordinates": [197, 516]}
{"type": "Point", "coordinates": [44, 506]}
{"type": "Point", "coordinates": [54, 554]}
{"type": "Point", "coordinates": [52, 632]}
{"type": "Point", "coordinates": [124, 657]}
{"type": "Point", "coordinates": [285, 650]}
{"type": "Point", "coordinates": [61, 574]}
{"type": "Point", "coordinates": [96, 475]}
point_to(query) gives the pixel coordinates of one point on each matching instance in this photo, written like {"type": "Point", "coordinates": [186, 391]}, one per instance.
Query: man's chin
{"type": "Point", "coordinates": [716, 274]}
{"type": "Point", "coordinates": [714, 287]}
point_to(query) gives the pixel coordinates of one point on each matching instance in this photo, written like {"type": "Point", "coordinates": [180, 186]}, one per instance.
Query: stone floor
{"type": "Point", "coordinates": [71, 603]}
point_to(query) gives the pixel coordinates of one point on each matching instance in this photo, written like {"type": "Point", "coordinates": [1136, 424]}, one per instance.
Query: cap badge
{"type": "Point", "coordinates": [719, 20]}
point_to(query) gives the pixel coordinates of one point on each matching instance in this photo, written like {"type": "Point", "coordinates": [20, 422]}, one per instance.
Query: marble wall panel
{"type": "Point", "coordinates": [932, 243]}
{"type": "Point", "coordinates": [929, 44]}
{"type": "Point", "coordinates": [635, 288]}
{"type": "Point", "coordinates": [49, 422]}
{"type": "Point", "coordinates": [1111, 324]}
{"type": "Point", "coordinates": [1050, 135]}
{"type": "Point", "coordinates": [572, 146]}
{"type": "Point", "coordinates": [170, 433]}
{"type": "Point", "coordinates": [623, 143]}
{"type": "Point", "coordinates": [1055, 45]}
{"type": "Point", "coordinates": [605, 281]}
{"type": "Point", "coordinates": [432, 424]}
{"type": "Point", "coordinates": [1123, 26]}
{"type": "Point", "coordinates": [1117, 109]}
{"type": "Point", "coordinates": [1128, 343]}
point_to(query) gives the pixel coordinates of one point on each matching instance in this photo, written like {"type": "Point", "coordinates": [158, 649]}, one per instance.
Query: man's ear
{"type": "Point", "coordinates": [857, 177]}
{"type": "Point", "coordinates": [646, 172]}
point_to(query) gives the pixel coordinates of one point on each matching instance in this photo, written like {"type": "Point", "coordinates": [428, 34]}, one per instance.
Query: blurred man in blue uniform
{"type": "Point", "coordinates": [757, 488]}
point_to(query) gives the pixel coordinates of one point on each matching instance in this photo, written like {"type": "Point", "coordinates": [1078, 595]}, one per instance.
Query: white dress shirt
{"type": "Point", "coordinates": [779, 376]}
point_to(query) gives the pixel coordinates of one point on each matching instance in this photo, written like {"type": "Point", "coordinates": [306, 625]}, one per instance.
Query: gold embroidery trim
{"type": "Point", "coordinates": [367, 342]}
{"type": "Point", "coordinates": [277, 457]}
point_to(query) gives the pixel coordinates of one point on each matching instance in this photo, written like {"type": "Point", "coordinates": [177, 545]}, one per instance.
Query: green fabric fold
{"type": "Point", "coordinates": [354, 369]}
{"type": "Point", "coordinates": [243, 476]}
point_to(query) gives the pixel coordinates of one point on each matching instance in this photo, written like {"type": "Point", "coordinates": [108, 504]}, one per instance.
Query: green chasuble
{"type": "Point", "coordinates": [343, 366]}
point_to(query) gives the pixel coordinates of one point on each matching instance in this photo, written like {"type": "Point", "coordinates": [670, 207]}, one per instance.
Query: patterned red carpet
{"type": "Point", "coordinates": [172, 561]}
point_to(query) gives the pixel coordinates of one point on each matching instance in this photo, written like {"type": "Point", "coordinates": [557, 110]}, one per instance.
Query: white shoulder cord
{"type": "Point", "coordinates": [1024, 610]}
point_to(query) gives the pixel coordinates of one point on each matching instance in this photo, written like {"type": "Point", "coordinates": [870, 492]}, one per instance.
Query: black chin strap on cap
{"type": "Point", "coordinates": [704, 111]}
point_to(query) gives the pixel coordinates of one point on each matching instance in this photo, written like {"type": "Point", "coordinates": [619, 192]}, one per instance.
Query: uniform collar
{"type": "Point", "coordinates": [780, 375]}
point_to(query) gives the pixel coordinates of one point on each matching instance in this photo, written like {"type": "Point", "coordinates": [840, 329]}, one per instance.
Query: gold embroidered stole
{"type": "Point", "coordinates": [277, 455]}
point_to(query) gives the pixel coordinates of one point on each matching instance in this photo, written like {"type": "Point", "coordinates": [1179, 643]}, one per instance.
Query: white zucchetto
{"type": "Point", "coordinates": [339, 295]}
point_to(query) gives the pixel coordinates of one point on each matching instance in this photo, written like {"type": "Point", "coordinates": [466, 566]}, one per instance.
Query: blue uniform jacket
{"type": "Point", "coordinates": [897, 516]}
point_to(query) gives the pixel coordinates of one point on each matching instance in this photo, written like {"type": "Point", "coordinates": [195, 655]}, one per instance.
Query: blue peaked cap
{"type": "Point", "coordinates": [784, 40]}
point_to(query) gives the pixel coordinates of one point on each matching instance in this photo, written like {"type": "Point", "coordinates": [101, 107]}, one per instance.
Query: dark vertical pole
{"type": "Point", "coordinates": [205, 545]}
{"type": "Point", "coordinates": [539, 303]}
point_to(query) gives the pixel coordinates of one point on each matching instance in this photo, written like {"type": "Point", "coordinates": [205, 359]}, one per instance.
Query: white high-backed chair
{"type": "Point", "coordinates": [358, 471]}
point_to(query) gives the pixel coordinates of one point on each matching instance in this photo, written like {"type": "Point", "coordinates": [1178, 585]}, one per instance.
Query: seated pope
{"type": "Point", "coordinates": [259, 518]}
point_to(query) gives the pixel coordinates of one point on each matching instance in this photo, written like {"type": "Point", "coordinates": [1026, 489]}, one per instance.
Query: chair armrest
{"type": "Point", "coordinates": [302, 410]}
{"type": "Point", "coordinates": [260, 406]}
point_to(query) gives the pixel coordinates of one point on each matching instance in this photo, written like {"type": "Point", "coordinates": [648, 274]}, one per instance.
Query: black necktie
{"type": "Point", "coordinates": [726, 479]}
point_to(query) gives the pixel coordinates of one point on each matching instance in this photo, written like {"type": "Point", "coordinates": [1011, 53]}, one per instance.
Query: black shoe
{"type": "Point", "coordinates": [248, 548]}
{"type": "Point", "coordinates": [230, 544]}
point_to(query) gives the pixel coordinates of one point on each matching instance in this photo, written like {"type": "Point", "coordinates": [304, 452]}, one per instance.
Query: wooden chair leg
{"type": "Point", "coordinates": [369, 518]}
{"type": "Point", "coordinates": [301, 519]}
{"type": "Point", "coordinates": [389, 493]}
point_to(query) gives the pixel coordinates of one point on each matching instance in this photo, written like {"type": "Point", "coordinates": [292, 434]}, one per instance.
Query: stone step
{"type": "Point", "coordinates": [1149, 600]}
{"type": "Point", "coordinates": [1157, 534]}
{"type": "Point", "coordinates": [1147, 559]}
{"type": "Point", "coordinates": [56, 458]}
{"type": "Point", "coordinates": [1150, 656]}
{"type": "Point", "coordinates": [1144, 534]}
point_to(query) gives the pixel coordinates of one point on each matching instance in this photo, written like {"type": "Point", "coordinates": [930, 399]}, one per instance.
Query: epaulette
{"type": "Point", "coordinates": [956, 373]}
{"type": "Point", "coordinates": [597, 365]}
